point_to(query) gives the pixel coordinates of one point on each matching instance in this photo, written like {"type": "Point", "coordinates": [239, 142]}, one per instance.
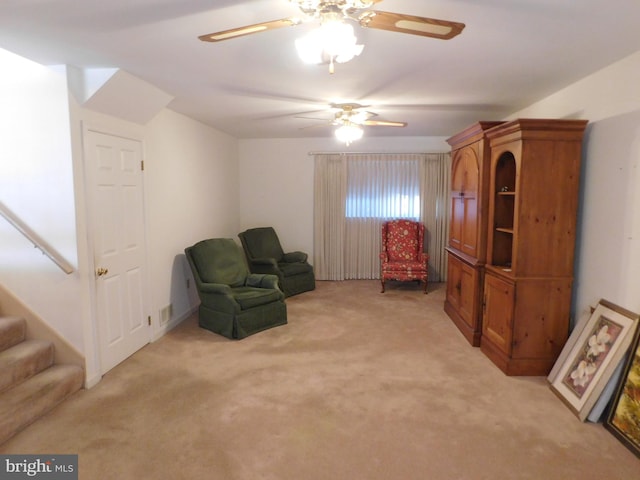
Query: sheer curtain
{"type": "Point", "coordinates": [435, 188]}
{"type": "Point", "coordinates": [355, 193]}
{"type": "Point", "coordinates": [379, 187]}
{"type": "Point", "coordinates": [329, 195]}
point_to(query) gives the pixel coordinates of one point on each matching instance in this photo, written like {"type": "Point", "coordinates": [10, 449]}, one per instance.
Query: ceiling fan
{"type": "Point", "coordinates": [351, 117]}
{"type": "Point", "coordinates": [332, 15]}
{"type": "Point", "coordinates": [354, 113]}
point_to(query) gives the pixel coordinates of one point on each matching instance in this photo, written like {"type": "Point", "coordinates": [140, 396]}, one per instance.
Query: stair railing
{"type": "Point", "coordinates": [37, 241]}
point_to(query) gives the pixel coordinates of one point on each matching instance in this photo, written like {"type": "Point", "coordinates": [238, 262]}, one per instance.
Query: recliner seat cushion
{"type": "Point", "coordinates": [249, 297]}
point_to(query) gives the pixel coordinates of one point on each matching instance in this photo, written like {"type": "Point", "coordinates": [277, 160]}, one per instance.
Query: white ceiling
{"type": "Point", "coordinates": [511, 54]}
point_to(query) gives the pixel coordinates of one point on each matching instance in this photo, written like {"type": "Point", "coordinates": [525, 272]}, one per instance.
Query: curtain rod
{"type": "Point", "coordinates": [372, 153]}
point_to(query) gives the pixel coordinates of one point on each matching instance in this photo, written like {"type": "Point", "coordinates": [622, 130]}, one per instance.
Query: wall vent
{"type": "Point", "coordinates": [165, 314]}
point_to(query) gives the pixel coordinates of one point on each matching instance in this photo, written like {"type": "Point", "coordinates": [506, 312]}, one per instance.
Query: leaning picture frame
{"type": "Point", "coordinates": [623, 417]}
{"type": "Point", "coordinates": [595, 348]}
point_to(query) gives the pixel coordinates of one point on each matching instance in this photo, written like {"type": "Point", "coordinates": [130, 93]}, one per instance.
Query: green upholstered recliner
{"type": "Point", "coordinates": [233, 302]}
{"type": "Point", "coordinates": [265, 255]}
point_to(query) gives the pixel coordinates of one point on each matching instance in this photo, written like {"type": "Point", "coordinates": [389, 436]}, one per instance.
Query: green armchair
{"type": "Point", "coordinates": [233, 302]}
{"type": "Point", "coordinates": [265, 255]}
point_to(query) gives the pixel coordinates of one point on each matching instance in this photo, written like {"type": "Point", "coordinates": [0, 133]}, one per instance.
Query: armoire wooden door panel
{"type": "Point", "coordinates": [468, 301]}
{"type": "Point", "coordinates": [464, 201]}
{"type": "Point", "coordinates": [454, 281]}
{"type": "Point", "coordinates": [468, 228]}
{"type": "Point", "coordinates": [497, 321]}
{"type": "Point", "coordinates": [462, 289]}
{"type": "Point", "coordinates": [541, 329]}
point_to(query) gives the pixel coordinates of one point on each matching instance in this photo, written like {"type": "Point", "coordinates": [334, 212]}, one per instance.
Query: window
{"type": "Point", "coordinates": [382, 188]}
{"type": "Point", "coordinates": [354, 193]}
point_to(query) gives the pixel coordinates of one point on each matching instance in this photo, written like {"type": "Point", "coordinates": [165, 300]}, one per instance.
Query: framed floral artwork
{"type": "Point", "coordinates": [623, 418]}
{"type": "Point", "coordinates": [595, 348]}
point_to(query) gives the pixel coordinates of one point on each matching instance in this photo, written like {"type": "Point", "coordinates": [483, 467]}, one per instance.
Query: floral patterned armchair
{"type": "Point", "coordinates": [403, 257]}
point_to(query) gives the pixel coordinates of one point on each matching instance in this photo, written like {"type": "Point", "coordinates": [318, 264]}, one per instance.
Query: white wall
{"type": "Point", "coordinates": [608, 246]}
{"type": "Point", "coordinates": [276, 180]}
{"type": "Point", "coordinates": [36, 184]}
{"type": "Point", "coordinates": [191, 184]}
{"type": "Point", "coordinates": [191, 193]}
{"type": "Point", "coordinates": [191, 190]}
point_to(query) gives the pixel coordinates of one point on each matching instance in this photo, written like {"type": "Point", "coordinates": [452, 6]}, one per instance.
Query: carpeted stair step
{"type": "Point", "coordinates": [24, 360]}
{"type": "Point", "coordinates": [28, 401]}
{"type": "Point", "coordinates": [12, 331]}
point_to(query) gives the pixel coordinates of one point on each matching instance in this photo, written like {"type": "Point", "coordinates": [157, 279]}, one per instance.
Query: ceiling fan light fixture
{"type": "Point", "coordinates": [311, 7]}
{"type": "Point", "coordinates": [332, 41]}
{"type": "Point", "coordinates": [337, 37]}
{"type": "Point", "coordinates": [309, 48]}
{"type": "Point", "coordinates": [359, 117]}
{"type": "Point", "coordinates": [349, 132]}
{"type": "Point", "coordinates": [348, 53]}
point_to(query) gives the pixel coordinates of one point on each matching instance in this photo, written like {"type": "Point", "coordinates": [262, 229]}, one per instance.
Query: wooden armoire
{"type": "Point", "coordinates": [525, 297]}
{"type": "Point", "coordinates": [466, 250]}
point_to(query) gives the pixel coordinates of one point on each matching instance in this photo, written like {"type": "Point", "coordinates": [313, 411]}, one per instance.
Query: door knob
{"type": "Point", "coordinates": [102, 271]}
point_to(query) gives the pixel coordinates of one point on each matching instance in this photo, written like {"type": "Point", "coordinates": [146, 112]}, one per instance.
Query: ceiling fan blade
{"type": "Point", "coordinates": [383, 123]}
{"type": "Point", "coordinates": [398, 22]}
{"type": "Point", "coordinates": [249, 29]}
{"type": "Point", "coordinates": [310, 118]}
{"type": "Point", "coordinates": [315, 125]}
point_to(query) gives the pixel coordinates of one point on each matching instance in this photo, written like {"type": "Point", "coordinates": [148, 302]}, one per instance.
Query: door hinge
{"type": "Point", "coordinates": [149, 320]}
{"type": "Point", "coordinates": [142, 165]}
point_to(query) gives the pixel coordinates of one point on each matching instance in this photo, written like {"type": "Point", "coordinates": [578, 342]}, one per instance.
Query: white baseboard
{"type": "Point", "coordinates": [92, 381]}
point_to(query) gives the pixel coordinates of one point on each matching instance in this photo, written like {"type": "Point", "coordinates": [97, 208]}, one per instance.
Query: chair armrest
{"type": "Point", "coordinates": [218, 296]}
{"type": "Point", "coordinates": [293, 257]}
{"type": "Point", "coordinates": [262, 280]}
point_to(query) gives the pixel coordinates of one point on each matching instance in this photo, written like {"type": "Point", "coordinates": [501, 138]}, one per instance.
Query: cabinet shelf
{"type": "Point", "coordinates": [504, 271]}
{"type": "Point", "coordinates": [503, 207]}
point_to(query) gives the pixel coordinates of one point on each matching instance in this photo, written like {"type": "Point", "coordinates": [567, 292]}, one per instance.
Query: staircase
{"type": "Point", "coordinates": [30, 383]}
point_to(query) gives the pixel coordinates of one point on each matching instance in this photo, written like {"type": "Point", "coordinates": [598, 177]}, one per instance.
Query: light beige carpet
{"type": "Point", "coordinates": [358, 386]}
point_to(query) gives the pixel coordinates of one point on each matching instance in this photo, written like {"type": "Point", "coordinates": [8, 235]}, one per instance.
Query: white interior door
{"type": "Point", "coordinates": [114, 167]}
